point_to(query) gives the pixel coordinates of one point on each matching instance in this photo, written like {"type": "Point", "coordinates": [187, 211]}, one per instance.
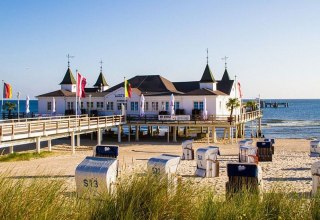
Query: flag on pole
{"type": "Point", "coordinates": [53, 105]}
{"type": "Point", "coordinates": [7, 91]}
{"type": "Point", "coordinates": [240, 91]}
{"type": "Point", "coordinates": [81, 84]}
{"type": "Point", "coordinates": [27, 105]}
{"type": "Point", "coordinates": [127, 89]}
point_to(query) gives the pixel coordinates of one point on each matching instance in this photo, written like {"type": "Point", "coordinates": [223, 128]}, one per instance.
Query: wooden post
{"type": "Point", "coordinates": [72, 143]}
{"type": "Point", "coordinates": [91, 136]}
{"type": "Point", "coordinates": [49, 145]}
{"type": "Point", "coordinates": [137, 133]}
{"type": "Point", "coordinates": [168, 134]}
{"type": "Point", "coordinates": [208, 135]}
{"type": "Point", "coordinates": [99, 136]}
{"type": "Point", "coordinates": [174, 134]}
{"type": "Point", "coordinates": [214, 135]}
{"type": "Point", "coordinates": [129, 135]}
{"type": "Point", "coordinates": [38, 142]}
{"type": "Point", "coordinates": [11, 149]}
{"type": "Point", "coordinates": [78, 140]}
{"type": "Point", "coordinates": [119, 133]}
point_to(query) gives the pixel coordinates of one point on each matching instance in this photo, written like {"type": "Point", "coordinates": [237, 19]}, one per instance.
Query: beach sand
{"type": "Point", "coordinates": [290, 167]}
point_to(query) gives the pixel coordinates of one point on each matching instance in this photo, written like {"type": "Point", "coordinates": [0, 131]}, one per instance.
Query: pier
{"type": "Point", "coordinates": [34, 130]}
{"type": "Point", "coordinates": [265, 104]}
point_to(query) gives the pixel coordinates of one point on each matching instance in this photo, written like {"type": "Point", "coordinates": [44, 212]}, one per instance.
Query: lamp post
{"type": "Point", "coordinates": [18, 97]}
{"type": "Point", "coordinates": [90, 105]}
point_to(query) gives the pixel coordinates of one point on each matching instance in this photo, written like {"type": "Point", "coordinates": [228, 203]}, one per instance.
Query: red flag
{"type": "Point", "coordinates": [240, 91]}
{"type": "Point", "coordinates": [81, 84]}
{"type": "Point", "coordinates": [7, 91]}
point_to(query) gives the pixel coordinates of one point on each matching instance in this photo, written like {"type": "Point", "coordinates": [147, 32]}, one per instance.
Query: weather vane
{"type": "Point", "coordinates": [101, 66]}
{"type": "Point", "coordinates": [68, 56]}
{"type": "Point", "coordinates": [225, 61]}
{"type": "Point", "coordinates": [207, 55]}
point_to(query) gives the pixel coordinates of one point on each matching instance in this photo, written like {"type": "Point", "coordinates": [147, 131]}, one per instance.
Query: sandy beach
{"type": "Point", "coordinates": [290, 167]}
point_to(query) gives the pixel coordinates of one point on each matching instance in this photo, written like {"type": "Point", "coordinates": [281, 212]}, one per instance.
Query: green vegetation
{"type": "Point", "coordinates": [9, 106]}
{"type": "Point", "coordinates": [233, 103]}
{"type": "Point", "coordinates": [145, 198]}
{"type": "Point", "coordinates": [24, 156]}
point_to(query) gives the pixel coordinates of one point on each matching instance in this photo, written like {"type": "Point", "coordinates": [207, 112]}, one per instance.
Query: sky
{"type": "Point", "coordinates": [273, 46]}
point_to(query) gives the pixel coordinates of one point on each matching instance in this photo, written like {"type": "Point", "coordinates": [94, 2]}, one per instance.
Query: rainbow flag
{"type": "Point", "coordinates": [7, 91]}
{"type": "Point", "coordinates": [127, 89]}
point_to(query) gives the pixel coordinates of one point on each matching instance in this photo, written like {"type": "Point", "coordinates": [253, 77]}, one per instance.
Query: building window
{"type": "Point", "coordinates": [134, 106]}
{"type": "Point", "coordinates": [177, 105]}
{"type": "Point", "coordinates": [167, 106]}
{"type": "Point", "coordinates": [49, 106]}
{"type": "Point", "coordinates": [198, 105]}
{"type": "Point", "coordinates": [69, 105]}
{"type": "Point", "coordinates": [146, 106]}
{"type": "Point", "coordinates": [201, 105]}
{"type": "Point", "coordinates": [155, 106]}
{"type": "Point", "coordinates": [109, 106]}
{"type": "Point", "coordinates": [88, 105]}
{"type": "Point", "coordinates": [100, 105]}
{"type": "Point", "coordinates": [119, 106]}
{"type": "Point", "coordinates": [195, 105]}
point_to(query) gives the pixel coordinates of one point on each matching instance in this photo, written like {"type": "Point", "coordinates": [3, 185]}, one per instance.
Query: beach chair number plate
{"type": "Point", "coordinates": [90, 183]}
{"type": "Point", "coordinates": [155, 170]}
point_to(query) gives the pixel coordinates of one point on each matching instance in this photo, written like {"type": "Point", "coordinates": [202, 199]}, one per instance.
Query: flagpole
{"type": "Point", "coordinates": [2, 97]}
{"type": "Point", "coordinates": [125, 97]}
{"type": "Point", "coordinates": [76, 92]}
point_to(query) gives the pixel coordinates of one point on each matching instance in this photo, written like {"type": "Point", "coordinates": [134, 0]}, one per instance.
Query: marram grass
{"type": "Point", "coordinates": [146, 197]}
{"type": "Point", "coordinates": [24, 156]}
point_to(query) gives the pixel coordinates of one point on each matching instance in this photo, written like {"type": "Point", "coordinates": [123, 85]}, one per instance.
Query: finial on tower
{"type": "Point", "coordinates": [225, 61]}
{"type": "Point", "coordinates": [207, 55]}
{"type": "Point", "coordinates": [68, 56]}
{"type": "Point", "coordinates": [101, 66]}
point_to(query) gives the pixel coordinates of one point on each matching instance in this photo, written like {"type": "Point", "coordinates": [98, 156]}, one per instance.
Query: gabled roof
{"type": "Point", "coordinates": [225, 86]}
{"type": "Point", "coordinates": [205, 92]}
{"type": "Point", "coordinates": [58, 93]}
{"type": "Point", "coordinates": [150, 84]}
{"type": "Point", "coordinates": [68, 78]}
{"type": "Point", "coordinates": [225, 76]}
{"type": "Point", "coordinates": [65, 93]}
{"type": "Point", "coordinates": [207, 76]}
{"type": "Point", "coordinates": [186, 86]}
{"type": "Point", "coordinates": [101, 81]}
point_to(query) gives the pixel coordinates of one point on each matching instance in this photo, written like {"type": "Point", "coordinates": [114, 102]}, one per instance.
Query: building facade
{"type": "Point", "coordinates": [190, 98]}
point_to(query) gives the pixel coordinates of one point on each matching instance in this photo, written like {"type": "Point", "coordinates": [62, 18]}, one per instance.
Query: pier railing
{"type": "Point", "coordinates": [27, 128]}
{"type": "Point", "coordinates": [213, 119]}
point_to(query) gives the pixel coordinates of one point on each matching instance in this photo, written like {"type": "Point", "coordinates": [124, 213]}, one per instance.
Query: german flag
{"type": "Point", "coordinates": [7, 91]}
{"type": "Point", "coordinates": [127, 89]}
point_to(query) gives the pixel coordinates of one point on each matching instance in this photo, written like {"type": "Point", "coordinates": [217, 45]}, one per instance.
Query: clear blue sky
{"type": "Point", "coordinates": [273, 45]}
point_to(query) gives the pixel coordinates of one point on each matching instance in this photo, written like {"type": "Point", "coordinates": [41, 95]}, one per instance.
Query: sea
{"type": "Point", "coordinates": [300, 120]}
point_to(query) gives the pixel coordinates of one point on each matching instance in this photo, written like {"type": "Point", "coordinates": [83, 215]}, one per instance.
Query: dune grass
{"type": "Point", "coordinates": [24, 156]}
{"type": "Point", "coordinates": [146, 198]}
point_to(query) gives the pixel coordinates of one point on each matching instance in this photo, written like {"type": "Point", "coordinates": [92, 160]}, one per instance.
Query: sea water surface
{"type": "Point", "coordinates": [300, 120]}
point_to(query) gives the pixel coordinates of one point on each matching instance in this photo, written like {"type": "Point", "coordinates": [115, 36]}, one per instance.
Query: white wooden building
{"type": "Point", "coordinates": [189, 96]}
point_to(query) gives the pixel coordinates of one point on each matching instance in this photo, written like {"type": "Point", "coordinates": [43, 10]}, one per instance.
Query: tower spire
{"type": "Point", "coordinates": [225, 61]}
{"type": "Point", "coordinates": [68, 56]}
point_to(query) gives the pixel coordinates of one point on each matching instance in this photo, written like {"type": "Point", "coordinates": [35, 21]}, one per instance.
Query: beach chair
{"type": "Point", "coordinates": [264, 151]}
{"type": "Point", "coordinates": [243, 177]}
{"type": "Point", "coordinates": [315, 172]}
{"type": "Point", "coordinates": [314, 148]}
{"type": "Point", "coordinates": [164, 165]}
{"type": "Point", "coordinates": [245, 142]}
{"type": "Point", "coordinates": [207, 163]}
{"type": "Point", "coordinates": [187, 151]}
{"type": "Point", "coordinates": [248, 154]}
{"type": "Point", "coordinates": [96, 176]}
{"type": "Point", "coordinates": [109, 151]}
{"type": "Point", "coordinates": [272, 140]}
